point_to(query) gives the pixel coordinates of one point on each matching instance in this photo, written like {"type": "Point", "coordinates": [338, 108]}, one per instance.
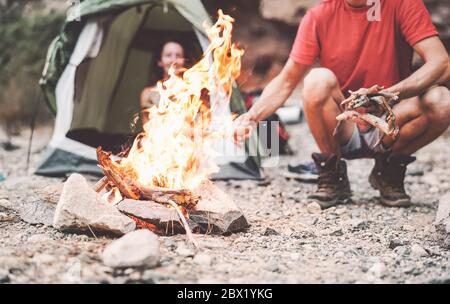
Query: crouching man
{"type": "Point", "coordinates": [359, 46]}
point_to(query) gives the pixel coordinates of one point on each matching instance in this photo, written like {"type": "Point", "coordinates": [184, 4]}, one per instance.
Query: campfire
{"type": "Point", "coordinates": [170, 161]}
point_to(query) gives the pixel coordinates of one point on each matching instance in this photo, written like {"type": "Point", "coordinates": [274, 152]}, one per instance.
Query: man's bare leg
{"type": "Point", "coordinates": [321, 99]}
{"type": "Point", "coordinates": [421, 120]}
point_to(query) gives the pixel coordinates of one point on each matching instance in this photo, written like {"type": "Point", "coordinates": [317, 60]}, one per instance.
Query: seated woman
{"type": "Point", "coordinates": [170, 53]}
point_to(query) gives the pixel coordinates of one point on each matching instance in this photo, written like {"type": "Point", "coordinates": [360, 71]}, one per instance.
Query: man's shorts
{"type": "Point", "coordinates": [362, 145]}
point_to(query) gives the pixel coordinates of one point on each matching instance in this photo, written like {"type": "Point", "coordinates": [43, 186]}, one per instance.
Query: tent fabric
{"type": "Point", "coordinates": [94, 74]}
{"type": "Point", "coordinates": [88, 47]}
{"type": "Point", "coordinates": [103, 76]}
{"type": "Point", "coordinates": [62, 46]}
{"type": "Point", "coordinates": [191, 10]}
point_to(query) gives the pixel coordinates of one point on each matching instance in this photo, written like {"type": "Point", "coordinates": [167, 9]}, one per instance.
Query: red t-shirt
{"type": "Point", "coordinates": [361, 52]}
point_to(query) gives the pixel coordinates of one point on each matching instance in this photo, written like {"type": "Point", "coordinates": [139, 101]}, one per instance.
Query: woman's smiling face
{"type": "Point", "coordinates": [172, 53]}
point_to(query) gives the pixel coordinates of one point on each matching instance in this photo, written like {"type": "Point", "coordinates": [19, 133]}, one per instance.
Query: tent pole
{"type": "Point", "coordinates": [33, 125]}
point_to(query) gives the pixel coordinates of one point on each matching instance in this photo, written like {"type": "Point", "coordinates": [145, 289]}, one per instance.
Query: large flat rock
{"type": "Point", "coordinates": [80, 208]}
{"type": "Point", "coordinates": [216, 212]}
{"type": "Point", "coordinates": [165, 219]}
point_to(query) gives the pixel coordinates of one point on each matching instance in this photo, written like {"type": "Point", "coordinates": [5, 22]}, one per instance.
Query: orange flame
{"type": "Point", "coordinates": [175, 150]}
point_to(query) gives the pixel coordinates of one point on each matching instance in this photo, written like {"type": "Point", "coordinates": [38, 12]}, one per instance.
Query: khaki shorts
{"type": "Point", "coordinates": [362, 144]}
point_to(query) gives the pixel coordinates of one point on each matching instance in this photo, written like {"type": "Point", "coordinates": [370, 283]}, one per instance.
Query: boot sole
{"type": "Point", "coordinates": [396, 203]}
{"type": "Point", "coordinates": [387, 202]}
{"type": "Point", "coordinates": [328, 204]}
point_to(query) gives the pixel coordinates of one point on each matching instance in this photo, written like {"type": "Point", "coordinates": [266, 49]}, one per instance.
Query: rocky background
{"type": "Point", "coordinates": [264, 28]}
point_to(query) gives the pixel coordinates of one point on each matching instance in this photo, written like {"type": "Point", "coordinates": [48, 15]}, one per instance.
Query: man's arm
{"type": "Point", "coordinates": [278, 90]}
{"type": "Point", "coordinates": [274, 95]}
{"type": "Point", "coordinates": [434, 71]}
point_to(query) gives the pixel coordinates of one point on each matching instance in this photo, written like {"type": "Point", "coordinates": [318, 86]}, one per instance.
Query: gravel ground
{"type": "Point", "coordinates": [288, 241]}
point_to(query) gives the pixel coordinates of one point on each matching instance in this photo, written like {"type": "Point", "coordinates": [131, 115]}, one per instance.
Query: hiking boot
{"type": "Point", "coordinates": [388, 176]}
{"type": "Point", "coordinates": [332, 184]}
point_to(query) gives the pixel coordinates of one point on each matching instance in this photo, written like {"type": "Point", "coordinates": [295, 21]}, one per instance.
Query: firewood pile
{"type": "Point", "coordinates": [377, 110]}
{"type": "Point", "coordinates": [167, 211]}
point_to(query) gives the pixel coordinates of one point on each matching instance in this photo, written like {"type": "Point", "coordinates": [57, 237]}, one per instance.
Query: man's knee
{"type": "Point", "coordinates": [437, 105]}
{"type": "Point", "coordinates": [318, 85]}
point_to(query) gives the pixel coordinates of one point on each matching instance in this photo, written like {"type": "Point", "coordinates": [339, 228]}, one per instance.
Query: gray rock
{"type": "Point", "coordinates": [408, 227]}
{"type": "Point", "coordinates": [151, 276]}
{"type": "Point", "coordinates": [6, 204]}
{"type": "Point", "coordinates": [357, 224]}
{"type": "Point", "coordinates": [336, 232]}
{"type": "Point", "coordinates": [378, 270]}
{"type": "Point", "coordinates": [447, 242]}
{"type": "Point", "coordinates": [402, 250]}
{"type": "Point", "coordinates": [37, 212]}
{"type": "Point", "coordinates": [270, 231]}
{"type": "Point", "coordinates": [308, 221]}
{"type": "Point", "coordinates": [139, 248]}
{"type": "Point", "coordinates": [272, 267]}
{"type": "Point", "coordinates": [441, 280]}
{"type": "Point", "coordinates": [80, 208]}
{"type": "Point", "coordinates": [314, 208]}
{"type": "Point", "coordinates": [394, 243]}
{"type": "Point", "coordinates": [418, 251]}
{"type": "Point", "coordinates": [185, 251]}
{"type": "Point", "coordinates": [203, 259]}
{"type": "Point", "coordinates": [216, 212]}
{"type": "Point", "coordinates": [339, 254]}
{"type": "Point", "coordinates": [4, 276]}
{"type": "Point", "coordinates": [443, 213]}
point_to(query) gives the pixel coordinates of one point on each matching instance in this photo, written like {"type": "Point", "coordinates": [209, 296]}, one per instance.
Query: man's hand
{"type": "Point", "coordinates": [243, 126]}
{"type": "Point", "coordinates": [367, 105]}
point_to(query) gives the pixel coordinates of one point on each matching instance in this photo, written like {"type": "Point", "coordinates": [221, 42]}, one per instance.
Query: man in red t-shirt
{"type": "Point", "coordinates": [360, 43]}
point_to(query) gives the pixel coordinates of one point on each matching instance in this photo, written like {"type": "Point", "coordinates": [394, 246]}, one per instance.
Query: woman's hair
{"type": "Point", "coordinates": [158, 72]}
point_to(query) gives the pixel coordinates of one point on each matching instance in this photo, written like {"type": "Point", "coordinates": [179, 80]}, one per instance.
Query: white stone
{"type": "Point", "coordinates": [378, 270]}
{"type": "Point", "coordinates": [139, 248]}
{"type": "Point", "coordinates": [314, 208]}
{"type": "Point", "coordinates": [203, 259]}
{"type": "Point", "coordinates": [183, 250]}
{"type": "Point", "coordinates": [7, 204]}
{"type": "Point", "coordinates": [39, 238]}
{"type": "Point", "coordinates": [418, 251]}
{"type": "Point", "coordinates": [408, 227]}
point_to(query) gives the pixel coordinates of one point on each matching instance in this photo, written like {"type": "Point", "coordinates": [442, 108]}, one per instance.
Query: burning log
{"type": "Point", "coordinates": [175, 198]}
{"type": "Point", "coordinates": [131, 189]}
{"type": "Point", "coordinates": [164, 220]}
{"type": "Point", "coordinates": [114, 176]}
{"type": "Point", "coordinates": [101, 184]}
{"type": "Point", "coordinates": [182, 197]}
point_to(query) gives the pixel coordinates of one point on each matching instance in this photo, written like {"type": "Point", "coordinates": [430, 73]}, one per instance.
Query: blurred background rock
{"type": "Point", "coordinates": [264, 28]}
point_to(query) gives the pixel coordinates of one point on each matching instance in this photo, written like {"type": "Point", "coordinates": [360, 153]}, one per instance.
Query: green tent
{"type": "Point", "coordinates": [96, 69]}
